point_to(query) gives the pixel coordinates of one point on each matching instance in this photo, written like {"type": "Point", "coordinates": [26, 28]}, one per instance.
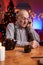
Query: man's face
{"type": "Point", "coordinates": [23, 20]}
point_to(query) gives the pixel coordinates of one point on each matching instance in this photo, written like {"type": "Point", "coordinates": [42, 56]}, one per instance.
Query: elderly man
{"type": "Point", "coordinates": [19, 30]}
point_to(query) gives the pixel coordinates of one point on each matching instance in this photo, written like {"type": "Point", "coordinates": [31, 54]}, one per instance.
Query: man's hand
{"type": "Point", "coordinates": [34, 44]}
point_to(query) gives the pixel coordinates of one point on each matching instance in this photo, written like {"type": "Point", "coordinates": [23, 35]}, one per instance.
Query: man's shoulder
{"type": "Point", "coordinates": [11, 24]}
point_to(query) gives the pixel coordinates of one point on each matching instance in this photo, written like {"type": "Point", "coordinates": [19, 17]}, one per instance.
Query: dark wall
{"type": "Point", "coordinates": [36, 5]}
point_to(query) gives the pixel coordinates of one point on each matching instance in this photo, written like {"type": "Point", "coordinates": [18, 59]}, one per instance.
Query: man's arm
{"type": "Point", "coordinates": [35, 42]}
{"type": "Point", "coordinates": [35, 35]}
{"type": "Point", "coordinates": [10, 31]}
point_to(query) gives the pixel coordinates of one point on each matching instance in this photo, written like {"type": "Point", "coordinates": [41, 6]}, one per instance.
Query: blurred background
{"type": "Point", "coordinates": [34, 7]}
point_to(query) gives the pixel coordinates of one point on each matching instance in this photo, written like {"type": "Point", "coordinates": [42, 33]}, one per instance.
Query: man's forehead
{"type": "Point", "coordinates": [23, 13]}
{"type": "Point", "coordinates": [25, 16]}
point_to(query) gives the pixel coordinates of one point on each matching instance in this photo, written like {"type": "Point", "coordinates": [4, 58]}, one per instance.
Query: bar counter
{"type": "Point", "coordinates": [18, 57]}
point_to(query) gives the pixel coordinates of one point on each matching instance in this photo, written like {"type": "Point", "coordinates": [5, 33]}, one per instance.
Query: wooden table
{"type": "Point", "coordinates": [18, 57]}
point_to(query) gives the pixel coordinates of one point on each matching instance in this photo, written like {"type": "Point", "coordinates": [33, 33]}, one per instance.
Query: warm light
{"type": "Point", "coordinates": [0, 44]}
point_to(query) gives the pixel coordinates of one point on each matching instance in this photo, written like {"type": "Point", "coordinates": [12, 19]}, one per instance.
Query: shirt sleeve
{"type": "Point", "coordinates": [10, 31]}
{"type": "Point", "coordinates": [35, 35]}
{"type": "Point", "coordinates": [22, 43]}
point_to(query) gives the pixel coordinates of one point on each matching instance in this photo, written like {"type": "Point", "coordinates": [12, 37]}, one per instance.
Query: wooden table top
{"type": "Point", "coordinates": [18, 57]}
